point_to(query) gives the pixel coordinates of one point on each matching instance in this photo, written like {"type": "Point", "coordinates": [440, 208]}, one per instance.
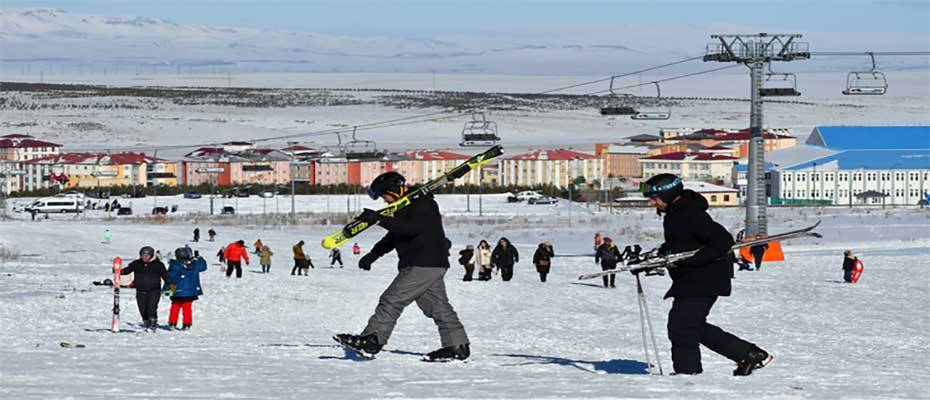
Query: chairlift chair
{"type": "Point", "coordinates": [786, 86]}
{"type": "Point", "coordinates": [361, 149]}
{"type": "Point", "coordinates": [871, 82]}
{"type": "Point", "coordinates": [479, 132]}
{"type": "Point", "coordinates": [614, 105]}
{"type": "Point", "coordinates": [657, 114]}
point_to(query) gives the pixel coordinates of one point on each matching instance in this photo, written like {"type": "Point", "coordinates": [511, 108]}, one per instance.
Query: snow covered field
{"type": "Point", "coordinates": [268, 336]}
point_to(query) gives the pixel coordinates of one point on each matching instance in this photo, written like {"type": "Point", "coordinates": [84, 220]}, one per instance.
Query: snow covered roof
{"type": "Point", "coordinates": [557, 154]}
{"type": "Point", "coordinates": [643, 138]}
{"type": "Point", "coordinates": [680, 156]}
{"type": "Point", "coordinates": [796, 154]}
{"type": "Point", "coordinates": [871, 137]}
{"type": "Point", "coordinates": [704, 187]}
{"type": "Point", "coordinates": [430, 155]}
{"type": "Point", "coordinates": [628, 149]}
{"type": "Point", "coordinates": [96, 159]}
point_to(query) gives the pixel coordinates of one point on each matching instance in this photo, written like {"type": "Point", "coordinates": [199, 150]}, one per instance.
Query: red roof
{"type": "Point", "coordinates": [690, 156]}
{"type": "Point", "coordinates": [298, 148]}
{"type": "Point", "coordinates": [432, 155]}
{"type": "Point", "coordinates": [16, 136]}
{"type": "Point", "coordinates": [238, 143]}
{"type": "Point", "coordinates": [718, 147]}
{"type": "Point", "coordinates": [95, 158]}
{"type": "Point", "coordinates": [203, 151]}
{"type": "Point", "coordinates": [557, 154]}
{"type": "Point", "coordinates": [22, 141]}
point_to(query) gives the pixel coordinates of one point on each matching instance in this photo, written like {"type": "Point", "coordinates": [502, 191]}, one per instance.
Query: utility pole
{"type": "Point", "coordinates": [756, 51]}
{"type": "Point", "coordinates": [293, 183]}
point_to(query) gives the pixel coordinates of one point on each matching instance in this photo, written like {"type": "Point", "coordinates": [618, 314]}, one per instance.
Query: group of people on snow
{"type": "Point", "coordinates": [180, 282]}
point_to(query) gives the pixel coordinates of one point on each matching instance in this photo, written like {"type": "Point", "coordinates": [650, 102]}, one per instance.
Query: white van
{"type": "Point", "coordinates": [56, 205]}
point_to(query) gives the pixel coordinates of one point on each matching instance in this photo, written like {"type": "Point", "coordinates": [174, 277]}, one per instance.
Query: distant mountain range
{"type": "Point", "coordinates": [56, 40]}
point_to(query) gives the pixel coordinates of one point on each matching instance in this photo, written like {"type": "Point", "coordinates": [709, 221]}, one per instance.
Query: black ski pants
{"type": "Point", "coordinates": [609, 281]}
{"type": "Point", "coordinates": [469, 272]}
{"type": "Point", "coordinates": [506, 272]}
{"type": "Point", "coordinates": [147, 300]}
{"type": "Point", "coordinates": [688, 328]}
{"type": "Point", "coordinates": [234, 264]}
{"type": "Point", "coordinates": [335, 260]}
{"type": "Point", "coordinates": [299, 267]}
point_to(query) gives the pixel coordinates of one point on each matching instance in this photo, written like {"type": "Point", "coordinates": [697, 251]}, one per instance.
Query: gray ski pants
{"type": "Point", "coordinates": [426, 287]}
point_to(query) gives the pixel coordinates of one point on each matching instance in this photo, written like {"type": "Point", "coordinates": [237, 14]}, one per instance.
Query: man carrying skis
{"type": "Point", "coordinates": [149, 274]}
{"type": "Point", "coordinates": [697, 281]}
{"type": "Point", "coordinates": [416, 233]}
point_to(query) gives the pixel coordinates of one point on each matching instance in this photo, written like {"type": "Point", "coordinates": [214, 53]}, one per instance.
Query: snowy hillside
{"type": "Point", "coordinates": [268, 336]}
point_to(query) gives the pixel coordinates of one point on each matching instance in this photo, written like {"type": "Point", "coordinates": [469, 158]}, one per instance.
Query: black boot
{"type": "Point", "coordinates": [754, 359]}
{"type": "Point", "coordinates": [460, 352]}
{"type": "Point", "coordinates": [186, 327]}
{"type": "Point", "coordinates": [366, 346]}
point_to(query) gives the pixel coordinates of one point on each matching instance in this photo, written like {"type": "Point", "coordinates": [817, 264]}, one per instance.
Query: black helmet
{"type": "Point", "coordinates": [664, 186]}
{"type": "Point", "coordinates": [183, 253]}
{"type": "Point", "coordinates": [147, 250]}
{"type": "Point", "coordinates": [387, 183]}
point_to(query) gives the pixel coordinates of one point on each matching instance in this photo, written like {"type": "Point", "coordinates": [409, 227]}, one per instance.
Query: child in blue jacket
{"type": "Point", "coordinates": [184, 271]}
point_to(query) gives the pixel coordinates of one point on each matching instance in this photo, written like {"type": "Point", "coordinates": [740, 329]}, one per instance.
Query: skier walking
{"type": "Point", "coordinates": [849, 262]}
{"type": "Point", "coordinates": [258, 246]}
{"type": "Point", "coordinates": [482, 260]}
{"type": "Point", "coordinates": [758, 252]}
{"type": "Point", "coordinates": [107, 235]}
{"type": "Point", "coordinates": [416, 233]}
{"type": "Point", "coordinates": [235, 254]}
{"type": "Point", "coordinates": [211, 235]}
{"type": "Point", "coordinates": [300, 259]}
{"type": "Point", "coordinates": [698, 281]}
{"type": "Point", "coordinates": [335, 256]}
{"type": "Point", "coordinates": [184, 271]}
{"type": "Point", "coordinates": [356, 249]}
{"type": "Point", "coordinates": [149, 274]}
{"type": "Point", "coordinates": [466, 259]}
{"type": "Point", "coordinates": [608, 255]}
{"type": "Point", "coordinates": [504, 257]}
{"type": "Point", "coordinates": [542, 259]}
{"type": "Point", "coordinates": [264, 258]}
{"type": "Point", "coordinates": [196, 234]}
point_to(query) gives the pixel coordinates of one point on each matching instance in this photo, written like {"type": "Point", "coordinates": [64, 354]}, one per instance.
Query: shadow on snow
{"type": "Point", "coordinates": [616, 366]}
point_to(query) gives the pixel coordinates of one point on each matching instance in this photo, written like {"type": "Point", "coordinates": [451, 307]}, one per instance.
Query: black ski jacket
{"type": "Point", "coordinates": [607, 255]}
{"type": "Point", "coordinates": [416, 233]}
{"type": "Point", "coordinates": [848, 263]}
{"type": "Point", "coordinates": [504, 257]}
{"type": "Point", "coordinates": [689, 227]}
{"type": "Point", "coordinates": [148, 275]}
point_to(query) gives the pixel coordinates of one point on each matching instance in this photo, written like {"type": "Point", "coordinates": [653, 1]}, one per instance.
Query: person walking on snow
{"type": "Point", "coordinates": [608, 255]}
{"type": "Point", "coordinates": [211, 235]}
{"type": "Point", "coordinates": [758, 252]}
{"type": "Point", "coordinates": [698, 281]}
{"type": "Point", "coordinates": [466, 259]}
{"type": "Point", "coordinates": [149, 274]}
{"type": "Point", "coordinates": [335, 256]}
{"type": "Point", "coordinates": [196, 234]}
{"type": "Point", "coordinates": [597, 240]}
{"type": "Point", "coordinates": [235, 254]}
{"type": "Point", "coordinates": [264, 258]}
{"type": "Point", "coordinates": [415, 232]}
{"type": "Point", "coordinates": [504, 257]}
{"type": "Point", "coordinates": [849, 263]}
{"type": "Point", "coordinates": [184, 271]}
{"type": "Point", "coordinates": [542, 259]}
{"type": "Point", "coordinates": [258, 246]}
{"type": "Point", "coordinates": [356, 249]}
{"type": "Point", "coordinates": [107, 235]}
{"type": "Point", "coordinates": [300, 259]}
{"type": "Point", "coordinates": [482, 260]}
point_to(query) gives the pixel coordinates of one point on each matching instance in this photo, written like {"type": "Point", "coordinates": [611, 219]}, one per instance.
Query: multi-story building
{"type": "Point", "coordinates": [623, 160]}
{"type": "Point", "coordinates": [17, 147]}
{"type": "Point", "coordinates": [891, 162]}
{"type": "Point", "coordinates": [716, 195]}
{"type": "Point", "coordinates": [773, 139]}
{"type": "Point", "coordinates": [708, 167]}
{"type": "Point", "coordinates": [419, 166]}
{"type": "Point", "coordinates": [557, 167]}
{"type": "Point", "coordinates": [89, 170]}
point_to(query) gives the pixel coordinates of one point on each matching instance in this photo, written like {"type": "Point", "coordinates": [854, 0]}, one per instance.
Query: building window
{"type": "Point", "coordinates": [843, 177]}
{"type": "Point", "coordinates": [787, 177]}
{"type": "Point", "coordinates": [713, 198]}
{"type": "Point", "coordinates": [815, 177]}
{"type": "Point", "coordinates": [726, 197]}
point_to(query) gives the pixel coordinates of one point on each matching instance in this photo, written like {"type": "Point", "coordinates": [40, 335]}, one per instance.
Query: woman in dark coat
{"type": "Point", "coordinates": [542, 259]}
{"type": "Point", "coordinates": [504, 257]}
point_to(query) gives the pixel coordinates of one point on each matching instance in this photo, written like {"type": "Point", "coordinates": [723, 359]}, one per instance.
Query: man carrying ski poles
{"type": "Point", "coordinates": [697, 281]}
{"type": "Point", "coordinates": [416, 233]}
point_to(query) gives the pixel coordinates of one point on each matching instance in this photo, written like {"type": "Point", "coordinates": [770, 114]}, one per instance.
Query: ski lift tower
{"type": "Point", "coordinates": [756, 51]}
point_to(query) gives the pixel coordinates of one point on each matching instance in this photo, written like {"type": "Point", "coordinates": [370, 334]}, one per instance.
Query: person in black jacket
{"type": "Point", "coordinates": [697, 281]}
{"type": "Point", "coordinates": [416, 233]}
{"type": "Point", "coordinates": [608, 254]}
{"type": "Point", "coordinates": [758, 251]}
{"type": "Point", "coordinates": [504, 257]}
{"type": "Point", "coordinates": [542, 259]}
{"type": "Point", "coordinates": [149, 274]}
{"type": "Point", "coordinates": [465, 259]}
{"type": "Point", "coordinates": [849, 263]}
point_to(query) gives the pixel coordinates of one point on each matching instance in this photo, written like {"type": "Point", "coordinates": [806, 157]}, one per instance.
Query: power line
{"type": "Point", "coordinates": [666, 79]}
{"type": "Point", "coordinates": [865, 53]}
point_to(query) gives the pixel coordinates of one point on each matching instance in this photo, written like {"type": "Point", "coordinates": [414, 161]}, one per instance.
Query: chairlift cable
{"type": "Point", "coordinates": [620, 75]}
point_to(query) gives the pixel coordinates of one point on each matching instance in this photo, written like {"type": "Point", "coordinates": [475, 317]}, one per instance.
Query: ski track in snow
{"type": "Point", "coordinates": [269, 336]}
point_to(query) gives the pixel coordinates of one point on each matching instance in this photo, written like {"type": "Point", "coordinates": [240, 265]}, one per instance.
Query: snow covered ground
{"type": "Point", "coordinates": [268, 336]}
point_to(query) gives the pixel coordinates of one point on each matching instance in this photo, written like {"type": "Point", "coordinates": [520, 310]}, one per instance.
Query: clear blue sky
{"type": "Point", "coordinates": [415, 18]}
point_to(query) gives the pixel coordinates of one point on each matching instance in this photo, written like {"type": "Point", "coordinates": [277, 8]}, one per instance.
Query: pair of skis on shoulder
{"type": "Point", "coordinates": [652, 261]}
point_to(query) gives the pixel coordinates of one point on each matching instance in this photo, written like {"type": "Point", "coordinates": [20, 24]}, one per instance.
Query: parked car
{"type": "Point", "coordinates": [124, 211]}
{"type": "Point", "coordinates": [228, 210]}
{"type": "Point", "coordinates": [56, 205]}
{"type": "Point", "coordinates": [543, 200]}
{"type": "Point", "coordinates": [527, 194]}
{"type": "Point", "coordinates": [267, 193]}
{"type": "Point", "coordinates": [160, 211]}
{"type": "Point", "coordinates": [192, 194]}
{"type": "Point", "coordinates": [242, 193]}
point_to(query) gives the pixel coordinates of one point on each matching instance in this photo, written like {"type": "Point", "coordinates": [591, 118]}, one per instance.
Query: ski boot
{"type": "Point", "coordinates": [186, 327]}
{"type": "Point", "coordinates": [151, 325]}
{"type": "Point", "coordinates": [445, 354]}
{"type": "Point", "coordinates": [754, 359]}
{"type": "Point", "coordinates": [366, 346]}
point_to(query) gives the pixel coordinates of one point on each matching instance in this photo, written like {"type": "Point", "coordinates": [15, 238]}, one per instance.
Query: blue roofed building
{"type": "Point", "coordinates": [841, 164]}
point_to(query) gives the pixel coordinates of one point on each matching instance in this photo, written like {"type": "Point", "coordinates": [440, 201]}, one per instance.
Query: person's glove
{"type": "Point", "coordinates": [366, 261]}
{"type": "Point", "coordinates": [171, 289]}
{"type": "Point", "coordinates": [369, 216]}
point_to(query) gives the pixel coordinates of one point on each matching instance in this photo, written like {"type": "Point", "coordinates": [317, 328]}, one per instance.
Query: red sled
{"type": "Point", "coordinates": [856, 271]}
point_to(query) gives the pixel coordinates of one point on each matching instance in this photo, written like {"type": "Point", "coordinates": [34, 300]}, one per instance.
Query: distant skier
{"type": "Point", "coordinates": [264, 258]}
{"type": "Point", "coordinates": [107, 235]}
{"type": "Point", "coordinates": [211, 235]}
{"type": "Point", "coordinates": [849, 262]}
{"type": "Point", "coordinates": [258, 246]}
{"type": "Point", "coordinates": [504, 257]}
{"type": "Point", "coordinates": [196, 234]}
{"type": "Point", "coordinates": [235, 254]}
{"type": "Point", "coordinates": [149, 274]}
{"type": "Point", "coordinates": [758, 252]}
{"type": "Point", "coordinates": [416, 234]}
{"type": "Point", "coordinates": [608, 255]}
{"type": "Point", "coordinates": [335, 256]}
{"type": "Point", "coordinates": [300, 259]}
{"type": "Point", "coordinates": [222, 255]}
{"type": "Point", "coordinates": [356, 249]}
{"type": "Point", "coordinates": [482, 260]}
{"type": "Point", "coordinates": [542, 259]}
{"type": "Point", "coordinates": [184, 271]}
{"type": "Point", "coordinates": [466, 259]}
{"type": "Point", "coordinates": [699, 280]}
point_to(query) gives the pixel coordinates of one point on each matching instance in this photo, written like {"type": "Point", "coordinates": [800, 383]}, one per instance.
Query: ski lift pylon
{"type": "Point", "coordinates": [871, 82]}
{"type": "Point", "coordinates": [479, 132]}
{"type": "Point", "coordinates": [657, 114]}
